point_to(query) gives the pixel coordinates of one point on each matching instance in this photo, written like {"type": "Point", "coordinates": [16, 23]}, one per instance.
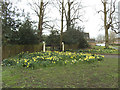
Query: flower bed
{"type": "Point", "coordinates": [49, 58]}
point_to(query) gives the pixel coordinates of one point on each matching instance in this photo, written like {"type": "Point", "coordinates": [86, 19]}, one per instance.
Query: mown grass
{"type": "Point", "coordinates": [102, 74]}
{"type": "Point", "coordinates": [100, 50]}
{"type": "Point", "coordinates": [103, 47]}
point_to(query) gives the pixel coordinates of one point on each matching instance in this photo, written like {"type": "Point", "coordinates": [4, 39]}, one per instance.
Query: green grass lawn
{"type": "Point", "coordinates": [100, 50]}
{"type": "Point", "coordinates": [98, 47]}
{"type": "Point", "coordinates": [102, 74]}
{"type": "Point", "coordinates": [115, 46]}
{"type": "Point", "coordinates": [102, 47]}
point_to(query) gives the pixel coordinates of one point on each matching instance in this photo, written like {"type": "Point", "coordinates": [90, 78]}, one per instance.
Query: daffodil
{"type": "Point", "coordinates": [25, 60]}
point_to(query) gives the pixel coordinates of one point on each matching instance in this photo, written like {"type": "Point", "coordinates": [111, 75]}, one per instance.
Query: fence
{"type": "Point", "coordinates": [13, 50]}
{"type": "Point", "coordinates": [67, 47]}
{"type": "Point", "coordinates": [73, 46]}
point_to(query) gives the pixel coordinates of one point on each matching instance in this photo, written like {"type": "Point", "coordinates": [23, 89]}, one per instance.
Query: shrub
{"type": "Point", "coordinates": [8, 62]}
{"type": "Point", "coordinates": [26, 34]}
{"type": "Point", "coordinates": [75, 36]}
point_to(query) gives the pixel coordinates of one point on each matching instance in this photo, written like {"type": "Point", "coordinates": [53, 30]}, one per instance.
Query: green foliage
{"type": "Point", "coordinates": [9, 21]}
{"type": "Point", "coordinates": [83, 43]}
{"type": "Point", "coordinates": [12, 30]}
{"type": "Point", "coordinates": [9, 62]}
{"type": "Point", "coordinates": [26, 33]}
{"type": "Point", "coordinates": [75, 36]}
{"type": "Point", "coordinates": [53, 39]}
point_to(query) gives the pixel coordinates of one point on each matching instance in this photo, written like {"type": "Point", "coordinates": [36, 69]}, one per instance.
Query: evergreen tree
{"type": "Point", "coordinates": [26, 33]}
{"type": "Point", "coordinates": [53, 39]}
{"type": "Point", "coordinates": [9, 23]}
{"type": "Point", "coordinates": [75, 36]}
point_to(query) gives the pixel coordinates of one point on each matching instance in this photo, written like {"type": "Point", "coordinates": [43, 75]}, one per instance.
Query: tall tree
{"type": "Point", "coordinates": [106, 25]}
{"type": "Point", "coordinates": [71, 10]}
{"type": "Point", "coordinates": [72, 13]}
{"type": "Point", "coordinates": [109, 18]}
{"type": "Point", "coordinates": [41, 18]}
{"type": "Point", "coordinates": [26, 34]}
{"type": "Point", "coordinates": [9, 21]}
{"type": "Point", "coordinates": [39, 8]}
{"type": "Point", "coordinates": [68, 19]}
{"type": "Point", "coordinates": [61, 34]}
{"type": "Point", "coordinates": [60, 6]}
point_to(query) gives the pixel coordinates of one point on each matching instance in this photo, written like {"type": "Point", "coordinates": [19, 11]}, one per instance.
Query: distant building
{"type": "Point", "coordinates": [117, 41]}
{"type": "Point", "coordinates": [89, 40]}
{"type": "Point", "coordinates": [86, 36]}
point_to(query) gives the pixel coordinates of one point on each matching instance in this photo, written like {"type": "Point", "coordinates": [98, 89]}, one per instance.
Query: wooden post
{"type": "Point", "coordinates": [43, 46]}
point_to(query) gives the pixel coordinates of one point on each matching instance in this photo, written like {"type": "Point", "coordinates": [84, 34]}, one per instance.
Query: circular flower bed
{"type": "Point", "coordinates": [49, 58]}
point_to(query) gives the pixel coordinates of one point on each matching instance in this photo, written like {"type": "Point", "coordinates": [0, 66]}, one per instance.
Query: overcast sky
{"type": "Point", "coordinates": [93, 21]}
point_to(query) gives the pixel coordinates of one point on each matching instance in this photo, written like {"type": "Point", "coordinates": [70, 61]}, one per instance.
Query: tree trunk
{"type": "Point", "coordinates": [106, 26]}
{"type": "Point", "coordinates": [40, 20]}
{"type": "Point", "coordinates": [68, 16]}
{"type": "Point", "coordinates": [106, 38]}
{"type": "Point", "coordinates": [61, 35]}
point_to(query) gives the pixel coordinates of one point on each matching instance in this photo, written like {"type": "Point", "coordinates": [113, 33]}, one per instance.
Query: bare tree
{"type": "Point", "coordinates": [39, 8]}
{"type": "Point", "coordinates": [112, 37]}
{"type": "Point", "coordinates": [100, 38]}
{"type": "Point", "coordinates": [73, 12]}
{"type": "Point", "coordinates": [60, 6]}
{"type": "Point", "coordinates": [61, 34]}
{"type": "Point", "coordinates": [109, 18]}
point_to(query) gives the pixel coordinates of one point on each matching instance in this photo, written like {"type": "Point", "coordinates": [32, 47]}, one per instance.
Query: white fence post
{"type": "Point", "coordinates": [43, 46]}
{"type": "Point", "coordinates": [63, 47]}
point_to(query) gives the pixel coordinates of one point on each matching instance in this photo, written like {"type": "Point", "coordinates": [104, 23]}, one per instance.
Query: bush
{"type": "Point", "coordinates": [26, 34]}
{"type": "Point", "coordinates": [83, 44]}
{"type": "Point", "coordinates": [53, 40]}
{"type": "Point", "coordinates": [75, 36]}
{"type": "Point", "coordinates": [8, 62]}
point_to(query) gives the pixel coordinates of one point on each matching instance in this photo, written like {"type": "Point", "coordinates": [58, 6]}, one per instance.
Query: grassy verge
{"type": "Point", "coordinates": [100, 50]}
{"type": "Point", "coordinates": [102, 74]}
